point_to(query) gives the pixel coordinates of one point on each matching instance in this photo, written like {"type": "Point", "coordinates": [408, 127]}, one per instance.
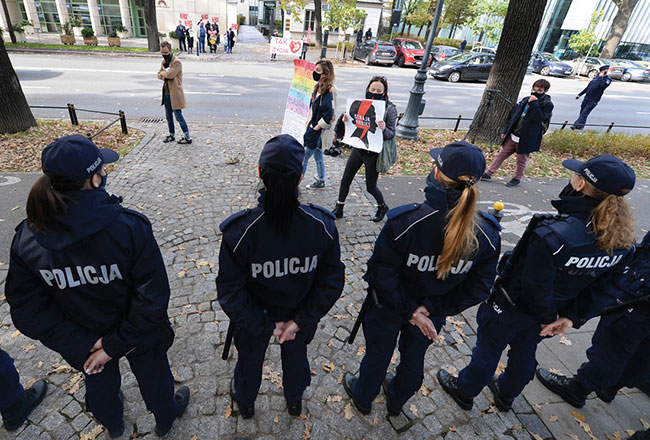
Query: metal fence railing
{"type": "Point", "coordinates": [72, 112]}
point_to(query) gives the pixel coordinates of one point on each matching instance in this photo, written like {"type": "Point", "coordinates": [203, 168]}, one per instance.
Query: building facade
{"type": "Point", "coordinates": [102, 15]}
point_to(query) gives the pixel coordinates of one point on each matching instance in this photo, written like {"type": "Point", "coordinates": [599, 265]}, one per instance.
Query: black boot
{"type": "Point", "coordinates": [15, 416]}
{"type": "Point", "coordinates": [393, 411]}
{"type": "Point", "coordinates": [641, 435]}
{"type": "Point", "coordinates": [501, 401]}
{"type": "Point", "coordinates": [247, 412]}
{"type": "Point", "coordinates": [607, 395]}
{"type": "Point", "coordinates": [450, 385]}
{"type": "Point", "coordinates": [294, 408]}
{"type": "Point", "coordinates": [182, 398]}
{"type": "Point", "coordinates": [338, 210]}
{"type": "Point", "coordinates": [568, 388]}
{"type": "Point", "coordinates": [381, 212]}
{"type": "Point", "coordinates": [348, 384]}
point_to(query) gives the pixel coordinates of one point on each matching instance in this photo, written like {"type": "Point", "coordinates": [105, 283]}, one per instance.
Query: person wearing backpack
{"type": "Point", "coordinates": [523, 134]}
{"type": "Point", "coordinates": [619, 355]}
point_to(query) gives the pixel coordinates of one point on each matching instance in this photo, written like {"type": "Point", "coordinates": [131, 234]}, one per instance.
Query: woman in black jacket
{"type": "Point", "coordinates": [377, 89]}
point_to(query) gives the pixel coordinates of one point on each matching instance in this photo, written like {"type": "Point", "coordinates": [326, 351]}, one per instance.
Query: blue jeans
{"type": "Point", "coordinates": [318, 157]}
{"type": "Point", "coordinates": [229, 47]}
{"type": "Point", "coordinates": [169, 113]}
{"type": "Point", "coordinates": [585, 108]}
{"type": "Point", "coordinates": [202, 44]}
{"type": "Point", "coordinates": [9, 382]}
{"type": "Point", "coordinates": [495, 333]}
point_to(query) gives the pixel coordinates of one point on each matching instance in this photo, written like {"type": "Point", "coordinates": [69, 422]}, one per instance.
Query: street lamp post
{"type": "Point", "coordinates": [408, 125]}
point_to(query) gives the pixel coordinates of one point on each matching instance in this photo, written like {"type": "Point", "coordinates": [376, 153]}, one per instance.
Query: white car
{"type": "Point", "coordinates": [483, 49]}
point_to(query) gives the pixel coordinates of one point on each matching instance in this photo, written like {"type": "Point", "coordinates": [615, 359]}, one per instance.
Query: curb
{"type": "Point", "coordinates": [81, 52]}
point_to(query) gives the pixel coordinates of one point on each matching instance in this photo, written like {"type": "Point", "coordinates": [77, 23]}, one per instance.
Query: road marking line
{"type": "Point", "coordinates": [36, 87]}
{"type": "Point", "coordinates": [213, 93]}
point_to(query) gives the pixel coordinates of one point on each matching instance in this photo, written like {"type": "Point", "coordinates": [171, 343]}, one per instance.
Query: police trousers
{"type": "Point", "coordinates": [585, 108]}
{"type": "Point", "coordinates": [296, 374]}
{"type": "Point", "coordinates": [495, 332]}
{"type": "Point", "coordinates": [9, 382]}
{"type": "Point", "coordinates": [150, 366]}
{"type": "Point", "coordinates": [381, 328]}
{"type": "Point", "coordinates": [620, 351]}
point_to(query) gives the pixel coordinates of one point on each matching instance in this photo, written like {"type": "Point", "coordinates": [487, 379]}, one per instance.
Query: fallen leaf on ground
{"type": "Point", "coordinates": [552, 419]}
{"type": "Point", "coordinates": [393, 360]}
{"type": "Point", "coordinates": [15, 334]}
{"type": "Point", "coordinates": [616, 435]}
{"type": "Point", "coordinates": [376, 419]}
{"type": "Point", "coordinates": [535, 436]}
{"type": "Point", "coordinates": [93, 434]}
{"type": "Point", "coordinates": [578, 416]}
{"type": "Point", "coordinates": [15, 208]}
{"type": "Point", "coordinates": [28, 347]}
{"type": "Point", "coordinates": [586, 428]}
{"type": "Point", "coordinates": [61, 369]}
{"type": "Point", "coordinates": [500, 369]}
{"type": "Point", "coordinates": [645, 424]}
{"type": "Point", "coordinates": [453, 429]}
{"type": "Point", "coordinates": [306, 433]}
{"type": "Point", "coordinates": [414, 409]}
{"type": "Point", "coordinates": [177, 377]}
{"type": "Point", "coordinates": [573, 436]}
{"type": "Point", "coordinates": [361, 351]}
{"type": "Point", "coordinates": [565, 341]}
{"type": "Point", "coordinates": [328, 367]}
{"type": "Point", "coordinates": [347, 412]}
{"type": "Point", "coordinates": [276, 418]}
{"type": "Point", "coordinates": [336, 398]}
{"type": "Point", "coordinates": [273, 376]}
{"type": "Point", "coordinates": [228, 411]}
{"type": "Point", "coordinates": [424, 390]}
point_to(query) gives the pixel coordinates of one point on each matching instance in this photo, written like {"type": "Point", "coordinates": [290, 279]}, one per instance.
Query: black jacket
{"type": "Point", "coordinates": [595, 89]}
{"type": "Point", "coordinates": [265, 277]}
{"type": "Point", "coordinates": [530, 136]}
{"type": "Point", "coordinates": [99, 274]}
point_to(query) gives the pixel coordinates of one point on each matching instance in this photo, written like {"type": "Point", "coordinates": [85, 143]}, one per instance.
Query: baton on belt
{"type": "Point", "coordinates": [229, 335]}
{"type": "Point", "coordinates": [371, 296]}
{"type": "Point", "coordinates": [626, 305]}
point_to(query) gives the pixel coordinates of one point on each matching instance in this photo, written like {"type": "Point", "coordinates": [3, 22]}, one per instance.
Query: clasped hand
{"type": "Point", "coordinates": [420, 318]}
{"type": "Point", "coordinates": [557, 327]}
{"type": "Point", "coordinates": [286, 331]}
{"type": "Point", "coordinates": [97, 359]}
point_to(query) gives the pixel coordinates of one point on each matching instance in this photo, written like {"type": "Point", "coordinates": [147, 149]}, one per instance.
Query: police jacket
{"type": "Point", "coordinates": [99, 273]}
{"type": "Point", "coordinates": [402, 268]}
{"type": "Point", "coordinates": [595, 89]}
{"type": "Point", "coordinates": [265, 277]}
{"type": "Point", "coordinates": [530, 135]}
{"type": "Point", "coordinates": [561, 263]}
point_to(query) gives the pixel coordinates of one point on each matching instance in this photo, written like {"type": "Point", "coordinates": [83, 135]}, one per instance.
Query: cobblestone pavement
{"type": "Point", "coordinates": [187, 191]}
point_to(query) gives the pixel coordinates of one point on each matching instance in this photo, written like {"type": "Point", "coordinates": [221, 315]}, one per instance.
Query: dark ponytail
{"type": "Point", "coordinates": [281, 197]}
{"type": "Point", "coordinates": [47, 200]}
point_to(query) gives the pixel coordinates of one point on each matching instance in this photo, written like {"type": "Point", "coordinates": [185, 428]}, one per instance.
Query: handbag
{"type": "Point", "coordinates": [387, 156]}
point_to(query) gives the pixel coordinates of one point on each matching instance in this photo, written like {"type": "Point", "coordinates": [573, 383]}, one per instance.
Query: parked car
{"type": "Point", "coordinates": [443, 52]}
{"type": "Point", "coordinates": [547, 64]}
{"type": "Point", "coordinates": [616, 70]}
{"type": "Point", "coordinates": [409, 52]}
{"type": "Point", "coordinates": [590, 66]}
{"type": "Point", "coordinates": [466, 66]}
{"type": "Point", "coordinates": [631, 70]}
{"type": "Point", "coordinates": [372, 51]}
{"type": "Point", "coordinates": [483, 49]}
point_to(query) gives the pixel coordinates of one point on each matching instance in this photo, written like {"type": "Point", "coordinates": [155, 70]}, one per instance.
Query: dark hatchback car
{"type": "Point", "coordinates": [378, 52]}
{"type": "Point", "coordinates": [547, 64]}
{"type": "Point", "coordinates": [466, 66]}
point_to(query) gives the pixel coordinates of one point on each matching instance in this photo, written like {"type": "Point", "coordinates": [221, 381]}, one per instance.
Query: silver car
{"type": "Point", "coordinates": [632, 71]}
{"type": "Point", "coordinates": [590, 66]}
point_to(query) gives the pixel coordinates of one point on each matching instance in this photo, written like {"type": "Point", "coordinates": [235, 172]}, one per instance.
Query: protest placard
{"type": "Point", "coordinates": [361, 130]}
{"type": "Point", "coordinates": [285, 46]}
{"type": "Point", "coordinates": [297, 109]}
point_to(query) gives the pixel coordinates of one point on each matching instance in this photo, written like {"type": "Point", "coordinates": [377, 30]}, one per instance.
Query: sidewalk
{"type": "Point", "coordinates": [186, 191]}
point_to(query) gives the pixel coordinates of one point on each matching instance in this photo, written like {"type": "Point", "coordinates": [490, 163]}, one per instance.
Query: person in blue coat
{"type": "Point", "coordinates": [86, 279]}
{"type": "Point", "coordinates": [202, 34]}
{"type": "Point", "coordinates": [17, 403]}
{"type": "Point", "coordinates": [619, 355]}
{"type": "Point", "coordinates": [593, 92]}
{"type": "Point", "coordinates": [431, 260]}
{"type": "Point", "coordinates": [280, 272]}
{"type": "Point", "coordinates": [523, 133]}
{"type": "Point", "coordinates": [549, 290]}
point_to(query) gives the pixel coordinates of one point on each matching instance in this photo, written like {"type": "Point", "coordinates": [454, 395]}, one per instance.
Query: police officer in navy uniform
{"type": "Point", "coordinates": [16, 403]}
{"type": "Point", "coordinates": [86, 278]}
{"type": "Point", "coordinates": [549, 286]}
{"type": "Point", "coordinates": [280, 272]}
{"type": "Point", "coordinates": [431, 260]}
{"type": "Point", "coordinates": [620, 348]}
{"type": "Point", "coordinates": [593, 92]}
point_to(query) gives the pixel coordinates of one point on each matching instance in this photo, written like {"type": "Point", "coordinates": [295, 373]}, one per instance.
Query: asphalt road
{"type": "Point", "coordinates": [256, 93]}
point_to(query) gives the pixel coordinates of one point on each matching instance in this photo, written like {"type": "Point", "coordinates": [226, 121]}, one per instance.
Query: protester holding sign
{"type": "Point", "coordinates": [321, 118]}
{"type": "Point", "coordinates": [377, 89]}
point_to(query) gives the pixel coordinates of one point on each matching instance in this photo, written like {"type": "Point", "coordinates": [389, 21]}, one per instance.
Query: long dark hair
{"type": "Point", "coordinates": [281, 196]}
{"type": "Point", "coordinates": [48, 200]}
{"type": "Point", "coordinates": [383, 81]}
{"type": "Point", "coordinates": [326, 80]}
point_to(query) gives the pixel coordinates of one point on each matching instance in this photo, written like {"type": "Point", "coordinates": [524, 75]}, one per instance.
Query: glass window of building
{"type": "Point", "coordinates": [79, 9]}
{"type": "Point", "coordinates": [48, 15]}
{"type": "Point", "coordinates": [309, 20]}
{"type": "Point", "coordinates": [109, 14]}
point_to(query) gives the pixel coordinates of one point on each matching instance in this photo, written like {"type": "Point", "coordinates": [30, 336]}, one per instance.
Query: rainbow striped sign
{"type": "Point", "coordinates": [297, 109]}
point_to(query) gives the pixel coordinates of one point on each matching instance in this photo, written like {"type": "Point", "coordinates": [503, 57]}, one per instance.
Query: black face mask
{"type": "Point", "coordinates": [568, 192]}
{"type": "Point", "coordinates": [537, 95]}
{"type": "Point", "coordinates": [316, 76]}
{"type": "Point", "coordinates": [377, 96]}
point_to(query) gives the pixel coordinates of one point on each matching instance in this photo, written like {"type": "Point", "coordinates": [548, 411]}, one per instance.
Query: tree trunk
{"type": "Point", "coordinates": [619, 24]}
{"type": "Point", "coordinates": [318, 14]}
{"type": "Point", "coordinates": [16, 114]}
{"type": "Point", "coordinates": [403, 26]}
{"type": "Point", "coordinates": [520, 28]}
{"type": "Point", "coordinates": [153, 41]}
{"type": "Point", "coordinates": [408, 31]}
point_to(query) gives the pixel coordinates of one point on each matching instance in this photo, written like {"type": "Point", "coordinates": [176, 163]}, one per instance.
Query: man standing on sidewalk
{"type": "Point", "coordinates": [593, 92]}
{"type": "Point", "coordinates": [180, 33]}
{"type": "Point", "coordinates": [173, 98]}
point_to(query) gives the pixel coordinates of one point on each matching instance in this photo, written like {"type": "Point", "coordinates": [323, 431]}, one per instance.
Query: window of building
{"type": "Point", "coordinates": [48, 16]}
{"type": "Point", "coordinates": [309, 21]}
{"type": "Point", "coordinates": [21, 10]}
{"type": "Point", "coordinates": [79, 9]}
{"type": "Point", "coordinates": [109, 14]}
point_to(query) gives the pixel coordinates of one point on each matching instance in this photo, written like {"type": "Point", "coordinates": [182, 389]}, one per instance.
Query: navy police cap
{"type": "Point", "coordinates": [607, 173]}
{"type": "Point", "coordinates": [605, 67]}
{"type": "Point", "coordinates": [283, 150]}
{"type": "Point", "coordinates": [75, 157]}
{"type": "Point", "coordinates": [459, 158]}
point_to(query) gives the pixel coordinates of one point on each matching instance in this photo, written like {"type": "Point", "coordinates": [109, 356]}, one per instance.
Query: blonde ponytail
{"type": "Point", "coordinates": [613, 223]}
{"type": "Point", "coordinates": [460, 241]}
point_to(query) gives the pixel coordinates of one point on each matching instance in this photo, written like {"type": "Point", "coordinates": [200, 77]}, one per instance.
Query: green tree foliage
{"type": "Point", "coordinates": [584, 40]}
{"type": "Point", "coordinates": [458, 12]}
{"type": "Point", "coordinates": [293, 8]}
{"type": "Point", "coordinates": [487, 18]}
{"type": "Point", "coordinates": [420, 16]}
{"type": "Point", "coordinates": [343, 14]}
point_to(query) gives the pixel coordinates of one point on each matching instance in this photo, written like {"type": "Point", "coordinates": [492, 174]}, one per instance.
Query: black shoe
{"type": "Point", "coordinates": [645, 388]}
{"type": "Point", "coordinates": [185, 141]}
{"type": "Point", "coordinates": [348, 384]}
{"type": "Point", "coordinates": [381, 212]}
{"type": "Point", "coordinates": [338, 210]}
{"type": "Point", "coordinates": [182, 398]}
{"type": "Point", "coordinates": [607, 395]}
{"type": "Point", "coordinates": [566, 387]}
{"type": "Point", "coordinates": [513, 182]}
{"type": "Point", "coordinates": [15, 416]}
{"type": "Point", "coordinates": [641, 435]}
{"type": "Point", "coordinates": [450, 385]}
{"type": "Point", "coordinates": [247, 412]}
{"type": "Point", "coordinates": [486, 176]}
{"type": "Point", "coordinates": [119, 432]}
{"type": "Point", "coordinates": [392, 410]}
{"type": "Point", "coordinates": [318, 184]}
{"type": "Point", "coordinates": [502, 402]}
{"type": "Point", "coordinates": [295, 409]}
{"type": "Point", "coordinates": [169, 138]}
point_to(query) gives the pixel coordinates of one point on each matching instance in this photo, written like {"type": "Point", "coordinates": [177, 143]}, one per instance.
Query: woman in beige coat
{"type": "Point", "coordinates": [173, 98]}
